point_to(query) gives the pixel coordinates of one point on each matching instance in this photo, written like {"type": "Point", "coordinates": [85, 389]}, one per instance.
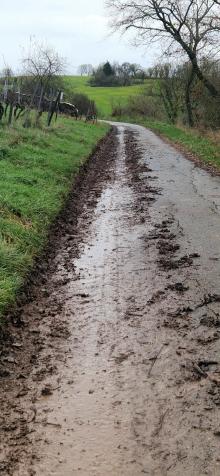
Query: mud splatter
{"type": "Point", "coordinates": [112, 365]}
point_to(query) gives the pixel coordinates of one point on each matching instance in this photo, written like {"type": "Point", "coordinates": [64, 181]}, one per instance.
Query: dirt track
{"type": "Point", "coordinates": [113, 367]}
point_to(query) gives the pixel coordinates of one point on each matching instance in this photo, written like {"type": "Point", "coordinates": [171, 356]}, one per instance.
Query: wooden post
{"type": "Point", "coordinates": [54, 106]}
{"type": "Point", "coordinates": [10, 113]}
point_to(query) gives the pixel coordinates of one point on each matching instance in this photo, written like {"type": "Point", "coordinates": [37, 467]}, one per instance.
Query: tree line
{"type": "Point", "coordinates": [116, 74]}
{"type": "Point", "coordinates": [187, 32]}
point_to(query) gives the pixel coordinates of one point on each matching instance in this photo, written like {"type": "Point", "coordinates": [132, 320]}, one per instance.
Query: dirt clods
{"type": "Point", "coordinates": [110, 362]}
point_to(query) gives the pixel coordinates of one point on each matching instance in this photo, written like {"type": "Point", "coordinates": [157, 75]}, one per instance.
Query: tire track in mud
{"type": "Point", "coordinates": [115, 369]}
{"type": "Point", "coordinates": [33, 328]}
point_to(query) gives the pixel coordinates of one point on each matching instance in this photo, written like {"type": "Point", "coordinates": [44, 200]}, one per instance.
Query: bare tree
{"type": "Point", "coordinates": [176, 82]}
{"type": "Point", "coordinates": [192, 25]}
{"type": "Point", "coordinates": [43, 64]}
{"type": "Point", "coordinates": [170, 90]}
{"type": "Point", "coordinates": [136, 70]}
{"type": "Point", "coordinates": [85, 69]}
{"type": "Point", "coordinates": [7, 72]}
{"type": "Point", "coordinates": [7, 93]}
{"type": "Point", "coordinates": [125, 72]}
{"type": "Point", "coordinates": [128, 72]}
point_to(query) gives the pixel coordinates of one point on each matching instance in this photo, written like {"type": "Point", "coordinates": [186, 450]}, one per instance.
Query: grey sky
{"type": "Point", "coordinates": [77, 29]}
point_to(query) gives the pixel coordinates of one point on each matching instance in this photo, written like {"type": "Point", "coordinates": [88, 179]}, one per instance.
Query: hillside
{"type": "Point", "coordinates": [37, 169]}
{"type": "Point", "coordinates": [105, 97]}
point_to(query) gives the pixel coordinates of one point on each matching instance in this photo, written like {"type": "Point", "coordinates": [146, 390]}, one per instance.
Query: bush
{"type": "Point", "coordinates": [99, 78]}
{"type": "Point", "coordinates": [82, 103]}
{"type": "Point", "coordinates": [141, 105]}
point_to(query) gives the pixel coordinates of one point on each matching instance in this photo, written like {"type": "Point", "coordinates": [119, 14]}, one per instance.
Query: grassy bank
{"type": "Point", "coordinates": [105, 97]}
{"type": "Point", "coordinates": [206, 146]}
{"type": "Point", "coordinates": [203, 145]}
{"type": "Point", "coordinates": [37, 168]}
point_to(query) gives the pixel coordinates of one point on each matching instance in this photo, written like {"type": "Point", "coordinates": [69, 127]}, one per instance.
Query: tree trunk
{"type": "Point", "coordinates": [208, 85]}
{"type": "Point", "coordinates": [169, 100]}
{"type": "Point", "coordinates": [10, 113]}
{"type": "Point", "coordinates": [27, 121]}
{"type": "Point", "coordinates": [1, 111]}
{"type": "Point", "coordinates": [193, 58]}
{"type": "Point", "coordinates": [39, 109]}
{"type": "Point", "coordinates": [53, 108]}
{"type": "Point", "coordinates": [188, 97]}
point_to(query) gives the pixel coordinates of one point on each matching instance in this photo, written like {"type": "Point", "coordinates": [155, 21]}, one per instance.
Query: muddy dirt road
{"type": "Point", "coordinates": [113, 367]}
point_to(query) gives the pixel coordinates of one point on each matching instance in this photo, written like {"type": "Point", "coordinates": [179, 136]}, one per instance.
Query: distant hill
{"type": "Point", "coordinates": [105, 97]}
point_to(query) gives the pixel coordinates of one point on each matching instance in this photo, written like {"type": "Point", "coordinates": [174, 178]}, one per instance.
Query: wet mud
{"type": "Point", "coordinates": [113, 364]}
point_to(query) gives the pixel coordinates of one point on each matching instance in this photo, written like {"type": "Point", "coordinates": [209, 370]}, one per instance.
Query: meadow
{"type": "Point", "coordinates": [204, 145]}
{"type": "Point", "coordinates": [105, 97]}
{"type": "Point", "coordinates": [37, 170]}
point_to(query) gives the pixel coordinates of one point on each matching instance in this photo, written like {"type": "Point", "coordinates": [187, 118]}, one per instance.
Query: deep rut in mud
{"type": "Point", "coordinates": [112, 367]}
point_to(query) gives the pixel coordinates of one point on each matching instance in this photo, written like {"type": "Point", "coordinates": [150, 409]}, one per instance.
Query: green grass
{"type": "Point", "coordinates": [199, 144]}
{"type": "Point", "coordinates": [105, 97]}
{"type": "Point", "coordinates": [193, 141]}
{"type": "Point", "coordinates": [37, 169]}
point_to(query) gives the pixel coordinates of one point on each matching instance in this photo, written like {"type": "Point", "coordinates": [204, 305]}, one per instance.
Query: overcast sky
{"type": "Point", "coordinates": [77, 29]}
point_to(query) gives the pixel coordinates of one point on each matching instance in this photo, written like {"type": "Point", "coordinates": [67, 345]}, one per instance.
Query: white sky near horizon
{"type": "Point", "coordinates": [77, 30]}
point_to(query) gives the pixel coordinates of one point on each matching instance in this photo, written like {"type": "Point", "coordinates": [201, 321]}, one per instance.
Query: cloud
{"type": "Point", "coordinates": [78, 31]}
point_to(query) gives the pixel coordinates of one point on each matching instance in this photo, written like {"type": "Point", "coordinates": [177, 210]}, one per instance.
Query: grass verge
{"type": "Point", "coordinates": [202, 145]}
{"type": "Point", "coordinates": [37, 169]}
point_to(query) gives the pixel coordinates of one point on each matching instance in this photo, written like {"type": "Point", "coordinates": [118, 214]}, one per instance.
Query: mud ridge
{"type": "Point", "coordinates": [25, 335]}
{"type": "Point", "coordinates": [115, 368]}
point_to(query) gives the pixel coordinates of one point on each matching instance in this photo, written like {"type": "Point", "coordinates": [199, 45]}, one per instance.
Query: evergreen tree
{"type": "Point", "coordinates": [107, 69]}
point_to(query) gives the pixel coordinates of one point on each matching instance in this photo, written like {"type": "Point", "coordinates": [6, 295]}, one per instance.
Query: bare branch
{"type": "Point", "coordinates": [192, 24]}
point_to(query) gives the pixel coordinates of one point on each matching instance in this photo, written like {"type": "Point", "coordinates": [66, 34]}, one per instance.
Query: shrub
{"type": "Point", "coordinates": [82, 103]}
{"type": "Point", "coordinates": [141, 105]}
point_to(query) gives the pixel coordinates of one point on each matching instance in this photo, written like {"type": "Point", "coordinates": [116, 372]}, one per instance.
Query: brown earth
{"type": "Point", "coordinates": [112, 366]}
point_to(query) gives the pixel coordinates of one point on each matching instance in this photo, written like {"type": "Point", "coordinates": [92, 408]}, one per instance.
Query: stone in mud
{"type": "Point", "coordinates": [47, 391]}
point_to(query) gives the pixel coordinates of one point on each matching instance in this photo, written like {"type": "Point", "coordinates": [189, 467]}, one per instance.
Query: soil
{"type": "Point", "coordinates": [112, 365]}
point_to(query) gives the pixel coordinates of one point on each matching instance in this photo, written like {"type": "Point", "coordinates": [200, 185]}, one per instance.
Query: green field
{"type": "Point", "coordinates": [205, 147]}
{"type": "Point", "coordinates": [37, 169]}
{"type": "Point", "coordinates": [105, 98]}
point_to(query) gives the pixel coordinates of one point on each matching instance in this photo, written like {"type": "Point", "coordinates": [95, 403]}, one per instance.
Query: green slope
{"type": "Point", "coordinates": [37, 169]}
{"type": "Point", "coordinates": [104, 97]}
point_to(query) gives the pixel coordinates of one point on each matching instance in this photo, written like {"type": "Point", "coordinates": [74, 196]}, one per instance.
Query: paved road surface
{"type": "Point", "coordinates": [125, 379]}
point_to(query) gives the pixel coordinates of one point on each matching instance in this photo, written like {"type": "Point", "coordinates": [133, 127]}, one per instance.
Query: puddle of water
{"type": "Point", "coordinates": [96, 436]}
